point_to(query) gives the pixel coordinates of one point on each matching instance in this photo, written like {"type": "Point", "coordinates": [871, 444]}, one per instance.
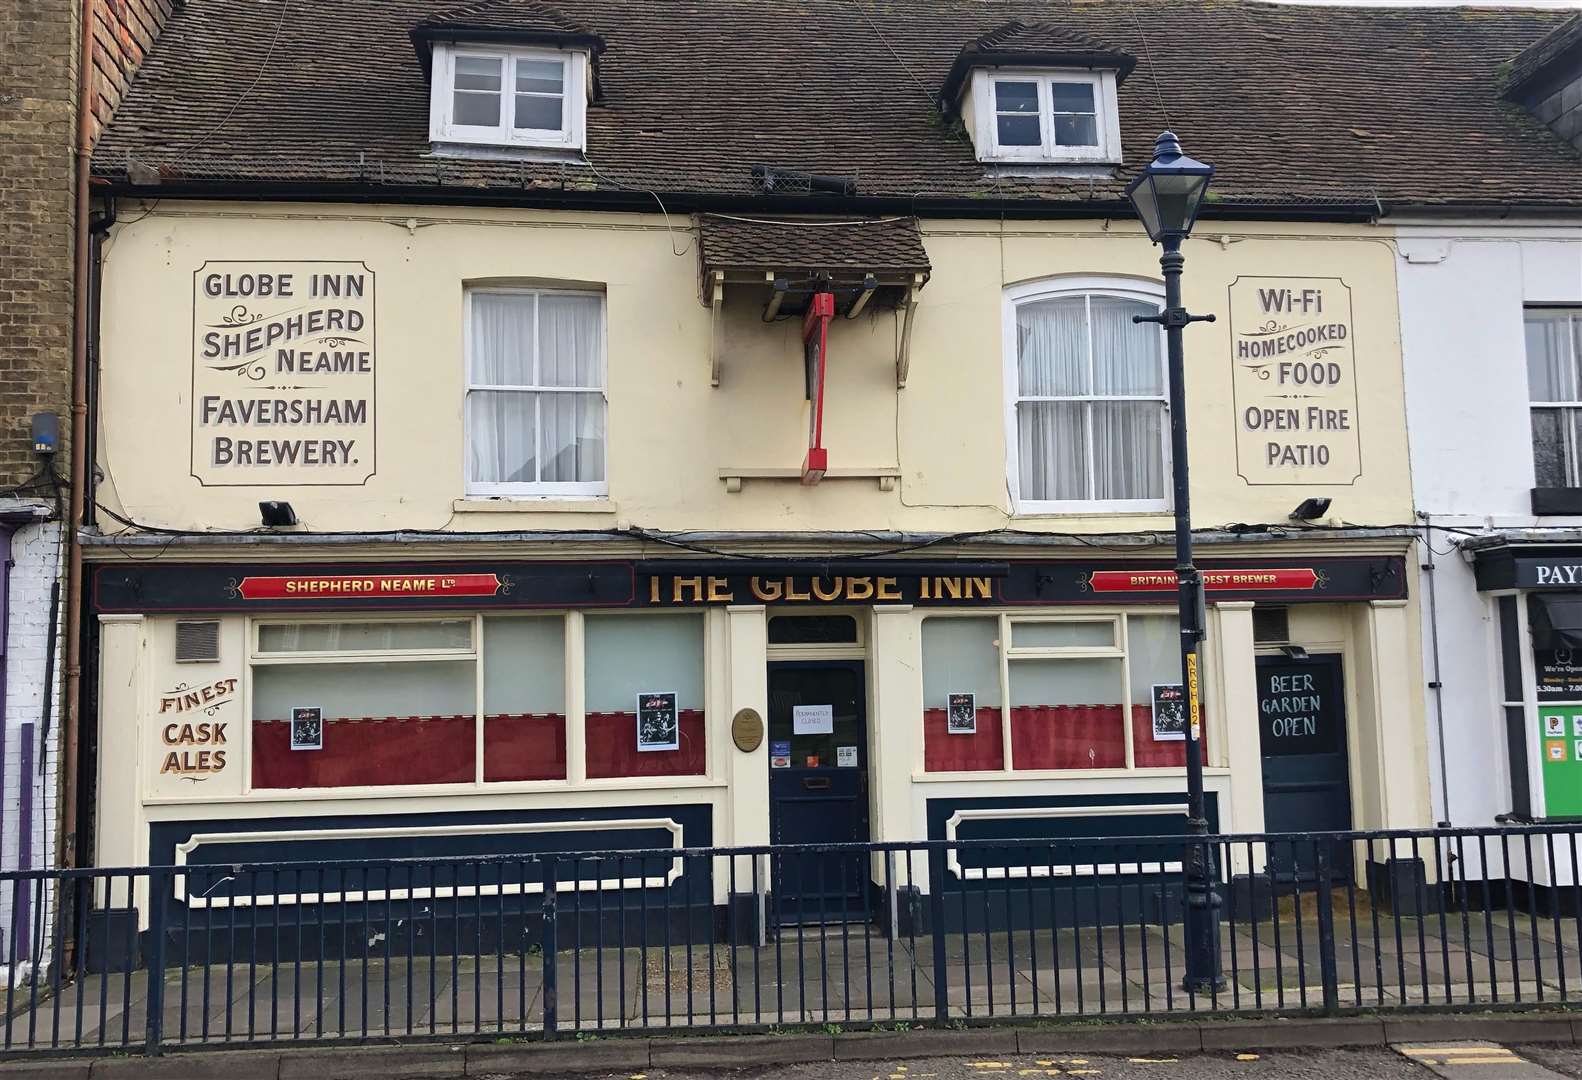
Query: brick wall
{"type": "Point", "coordinates": [38, 65]}
{"type": "Point", "coordinates": [38, 95]}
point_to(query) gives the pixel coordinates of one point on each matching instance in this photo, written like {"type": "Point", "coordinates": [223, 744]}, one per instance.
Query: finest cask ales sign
{"type": "Point", "coordinates": [283, 366]}
{"type": "Point", "coordinates": [1295, 381]}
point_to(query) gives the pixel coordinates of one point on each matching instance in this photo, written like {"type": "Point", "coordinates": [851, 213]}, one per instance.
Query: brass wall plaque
{"type": "Point", "coordinates": [747, 730]}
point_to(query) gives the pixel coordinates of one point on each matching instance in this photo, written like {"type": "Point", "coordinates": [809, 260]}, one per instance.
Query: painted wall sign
{"type": "Point", "coordinates": [195, 749]}
{"type": "Point", "coordinates": [283, 373]}
{"type": "Point", "coordinates": [1294, 381]}
{"type": "Point", "coordinates": [197, 587]}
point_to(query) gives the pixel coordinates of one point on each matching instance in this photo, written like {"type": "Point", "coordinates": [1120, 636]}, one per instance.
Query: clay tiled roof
{"type": "Point", "coordinates": [1557, 53]}
{"type": "Point", "coordinates": [1301, 108]}
{"type": "Point", "coordinates": [865, 245]}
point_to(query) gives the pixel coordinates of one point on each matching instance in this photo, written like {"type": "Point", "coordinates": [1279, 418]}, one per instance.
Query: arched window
{"type": "Point", "coordinates": [1086, 397]}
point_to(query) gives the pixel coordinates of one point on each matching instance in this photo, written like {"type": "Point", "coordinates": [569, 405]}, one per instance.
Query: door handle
{"type": "Point", "coordinates": [816, 783]}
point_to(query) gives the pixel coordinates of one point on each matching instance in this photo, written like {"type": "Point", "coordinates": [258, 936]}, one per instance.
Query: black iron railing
{"type": "Point", "coordinates": [549, 944]}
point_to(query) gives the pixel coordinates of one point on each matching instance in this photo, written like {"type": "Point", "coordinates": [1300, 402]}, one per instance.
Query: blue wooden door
{"type": "Point", "coordinates": [1306, 777]}
{"type": "Point", "coordinates": [818, 786]}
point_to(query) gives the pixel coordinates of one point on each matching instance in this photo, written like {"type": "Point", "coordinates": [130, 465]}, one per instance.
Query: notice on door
{"type": "Point", "coordinates": [1294, 381]}
{"type": "Point", "coordinates": [283, 363]}
{"type": "Point", "coordinates": [1299, 709]}
{"type": "Point", "coordinates": [812, 719]}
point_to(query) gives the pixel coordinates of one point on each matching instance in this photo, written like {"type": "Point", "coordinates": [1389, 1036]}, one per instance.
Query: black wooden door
{"type": "Point", "coordinates": [818, 786]}
{"type": "Point", "coordinates": [1306, 777]}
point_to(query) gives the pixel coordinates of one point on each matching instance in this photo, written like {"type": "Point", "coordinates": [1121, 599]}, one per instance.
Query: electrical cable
{"type": "Point", "coordinates": [588, 161]}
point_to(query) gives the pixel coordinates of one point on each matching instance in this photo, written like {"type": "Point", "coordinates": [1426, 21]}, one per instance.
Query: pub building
{"type": "Point", "coordinates": [528, 438]}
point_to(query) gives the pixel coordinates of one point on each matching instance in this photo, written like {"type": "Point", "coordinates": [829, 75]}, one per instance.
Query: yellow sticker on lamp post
{"type": "Point", "coordinates": [1194, 715]}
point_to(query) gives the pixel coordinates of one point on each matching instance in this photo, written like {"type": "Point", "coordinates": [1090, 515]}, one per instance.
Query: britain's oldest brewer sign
{"type": "Point", "coordinates": [283, 365]}
{"type": "Point", "coordinates": [1295, 381]}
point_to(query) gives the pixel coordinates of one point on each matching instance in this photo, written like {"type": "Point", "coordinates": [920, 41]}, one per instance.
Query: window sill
{"type": "Point", "coordinates": [1048, 511]}
{"type": "Point", "coordinates": [477, 791]}
{"type": "Point", "coordinates": [507, 504]}
{"type": "Point", "coordinates": [1046, 775]}
{"type": "Point", "coordinates": [1557, 501]}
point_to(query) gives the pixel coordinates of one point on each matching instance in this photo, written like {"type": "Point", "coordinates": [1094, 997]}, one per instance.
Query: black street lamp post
{"type": "Point", "coordinates": [1167, 195]}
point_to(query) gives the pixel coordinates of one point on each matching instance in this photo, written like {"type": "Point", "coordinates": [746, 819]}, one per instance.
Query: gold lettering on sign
{"type": "Point", "coordinates": [888, 589]}
{"type": "Point", "coordinates": [195, 765]}
{"type": "Point", "coordinates": [977, 588]}
{"type": "Point", "coordinates": [765, 590]}
{"type": "Point", "coordinates": [836, 585]}
{"type": "Point", "coordinates": [859, 588]}
{"type": "Point", "coordinates": [693, 583]}
{"type": "Point", "coordinates": [719, 590]}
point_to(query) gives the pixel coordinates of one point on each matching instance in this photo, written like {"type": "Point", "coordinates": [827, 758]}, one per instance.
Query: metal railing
{"type": "Point", "coordinates": [894, 934]}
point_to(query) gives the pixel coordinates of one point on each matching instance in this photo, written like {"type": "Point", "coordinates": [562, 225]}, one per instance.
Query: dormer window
{"type": "Point", "coordinates": [1039, 95]}
{"type": "Point", "coordinates": [1066, 116]}
{"type": "Point", "coordinates": [508, 97]}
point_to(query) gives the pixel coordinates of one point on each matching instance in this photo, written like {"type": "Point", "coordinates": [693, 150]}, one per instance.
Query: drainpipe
{"type": "Point", "coordinates": [1437, 686]}
{"type": "Point", "coordinates": [71, 692]}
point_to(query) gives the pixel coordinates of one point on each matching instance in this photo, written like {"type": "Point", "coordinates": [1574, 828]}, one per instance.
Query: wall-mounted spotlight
{"type": "Point", "coordinates": [1311, 509]}
{"type": "Point", "coordinates": [277, 515]}
{"type": "Point", "coordinates": [1294, 652]}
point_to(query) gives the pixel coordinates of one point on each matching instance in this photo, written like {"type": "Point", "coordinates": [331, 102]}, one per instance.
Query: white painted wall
{"type": "Point", "coordinates": [1462, 291]}
{"type": "Point", "coordinates": [36, 552]}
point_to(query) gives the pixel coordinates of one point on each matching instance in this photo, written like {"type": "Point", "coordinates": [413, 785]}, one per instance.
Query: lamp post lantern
{"type": "Point", "coordinates": [1167, 194]}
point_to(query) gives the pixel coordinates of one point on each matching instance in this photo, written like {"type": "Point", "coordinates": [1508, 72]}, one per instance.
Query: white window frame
{"type": "Point", "coordinates": [987, 132]}
{"type": "Point", "coordinates": [1570, 441]}
{"type": "Point", "coordinates": [1137, 289]}
{"type": "Point", "coordinates": [582, 489]}
{"type": "Point", "coordinates": [574, 111]}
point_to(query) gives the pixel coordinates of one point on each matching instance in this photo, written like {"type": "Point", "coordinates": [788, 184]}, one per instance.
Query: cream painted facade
{"type": "Point", "coordinates": [944, 432]}
{"type": "Point", "coordinates": [685, 456]}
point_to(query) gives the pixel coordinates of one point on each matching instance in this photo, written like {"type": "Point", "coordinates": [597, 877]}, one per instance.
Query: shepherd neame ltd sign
{"type": "Point", "coordinates": [283, 366]}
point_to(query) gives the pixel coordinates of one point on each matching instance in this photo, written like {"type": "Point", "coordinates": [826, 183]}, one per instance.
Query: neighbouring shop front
{"type": "Point", "coordinates": [340, 710]}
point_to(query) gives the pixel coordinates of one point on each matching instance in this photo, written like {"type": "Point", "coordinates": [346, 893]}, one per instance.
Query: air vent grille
{"type": "Point", "coordinates": [1270, 625]}
{"type": "Point", "coordinates": [197, 642]}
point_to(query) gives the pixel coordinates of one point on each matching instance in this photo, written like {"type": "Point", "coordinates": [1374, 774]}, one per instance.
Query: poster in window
{"type": "Point", "coordinates": [812, 719]}
{"type": "Point", "coordinates": [307, 728]}
{"type": "Point", "coordinates": [961, 716]}
{"type": "Point", "coordinates": [658, 723]}
{"type": "Point", "coordinates": [1559, 673]}
{"type": "Point", "coordinates": [846, 757]}
{"type": "Point", "coordinates": [1170, 713]}
{"type": "Point", "coordinates": [780, 754]}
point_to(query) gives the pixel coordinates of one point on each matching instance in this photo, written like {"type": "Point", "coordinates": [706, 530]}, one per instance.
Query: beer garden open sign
{"type": "Point", "coordinates": [1294, 378]}
{"type": "Point", "coordinates": [283, 364]}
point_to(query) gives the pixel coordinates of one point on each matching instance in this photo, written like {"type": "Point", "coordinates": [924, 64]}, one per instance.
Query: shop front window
{"type": "Point", "coordinates": [644, 688]}
{"type": "Point", "coordinates": [1089, 692]}
{"type": "Point", "coordinates": [364, 704]}
{"type": "Point", "coordinates": [524, 698]}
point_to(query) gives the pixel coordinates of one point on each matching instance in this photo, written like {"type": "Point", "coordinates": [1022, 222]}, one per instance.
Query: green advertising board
{"type": "Point", "coordinates": [1561, 747]}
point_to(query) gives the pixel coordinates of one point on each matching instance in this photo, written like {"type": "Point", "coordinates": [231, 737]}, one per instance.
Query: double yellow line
{"type": "Point", "coordinates": [1460, 1055]}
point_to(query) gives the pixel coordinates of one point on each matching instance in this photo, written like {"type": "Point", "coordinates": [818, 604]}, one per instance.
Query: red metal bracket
{"type": "Point", "coordinates": [815, 344]}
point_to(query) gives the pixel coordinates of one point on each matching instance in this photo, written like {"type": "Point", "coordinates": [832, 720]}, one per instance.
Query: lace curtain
{"type": "Point", "coordinates": [1090, 408]}
{"type": "Point", "coordinates": [536, 408]}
